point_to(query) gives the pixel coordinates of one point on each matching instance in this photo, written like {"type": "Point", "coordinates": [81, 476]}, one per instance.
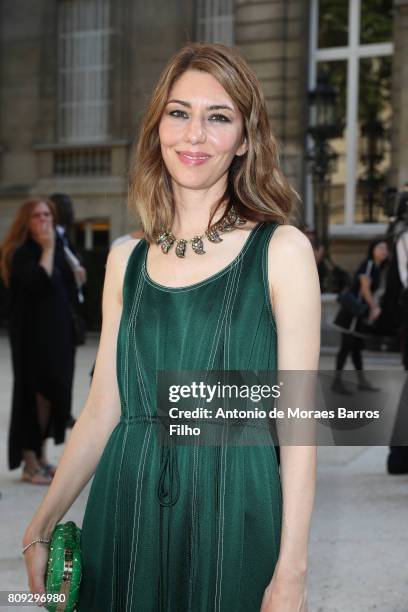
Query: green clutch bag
{"type": "Point", "coordinates": [64, 569]}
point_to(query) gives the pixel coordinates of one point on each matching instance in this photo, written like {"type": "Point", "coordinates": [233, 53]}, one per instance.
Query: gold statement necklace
{"type": "Point", "coordinates": [166, 238]}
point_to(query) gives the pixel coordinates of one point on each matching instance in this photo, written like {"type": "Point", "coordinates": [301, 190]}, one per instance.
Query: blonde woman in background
{"type": "Point", "coordinates": [42, 292]}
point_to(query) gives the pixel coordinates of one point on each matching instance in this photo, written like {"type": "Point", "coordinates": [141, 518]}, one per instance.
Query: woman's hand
{"type": "Point", "coordinates": [36, 558]}
{"type": "Point", "coordinates": [44, 234]}
{"type": "Point", "coordinates": [80, 275]}
{"type": "Point", "coordinates": [374, 313]}
{"type": "Point", "coordinates": [286, 592]}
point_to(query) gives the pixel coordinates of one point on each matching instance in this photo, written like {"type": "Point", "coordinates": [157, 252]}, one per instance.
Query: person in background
{"type": "Point", "coordinates": [318, 250]}
{"type": "Point", "coordinates": [402, 209]}
{"type": "Point", "coordinates": [41, 290]}
{"type": "Point", "coordinates": [319, 253]}
{"type": "Point", "coordinates": [125, 237]}
{"type": "Point", "coordinates": [365, 284]}
{"type": "Point", "coordinates": [65, 222]}
{"type": "Point", "coordinates": [65, 218]}
{"type": "Point", "coordinates": [137, 234]}
{"type": "Point", "coordinates": [397, 461]}
{"type": "Point", "coordinates": [402, 262]}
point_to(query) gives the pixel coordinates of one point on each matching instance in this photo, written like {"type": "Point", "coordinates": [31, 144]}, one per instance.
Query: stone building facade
{"type": "Point", "coordinates": [271, 37]}
{"type": "Point", "coordinates": [76, 74]}
{"type": "Point", "coordinates": [38, 154]}
{"type": "Point", "coordinates": [400, 95]}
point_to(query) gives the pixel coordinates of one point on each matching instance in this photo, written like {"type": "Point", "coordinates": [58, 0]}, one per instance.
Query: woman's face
{"type": "Point", "coordinates": [380, 252]}
{"type": "Point", "coordinates": [201, 130]}
{"type": "Point", "coordinates": [39, 215]}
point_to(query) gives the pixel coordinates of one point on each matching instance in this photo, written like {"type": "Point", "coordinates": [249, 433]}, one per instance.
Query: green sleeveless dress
{"type": "Point", "coordinates": [188, 528]}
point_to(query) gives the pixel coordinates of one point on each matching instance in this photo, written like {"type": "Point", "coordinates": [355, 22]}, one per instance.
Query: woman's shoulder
{"type": "Point", "coordinates": [119, 255]}
{"type": "Point", "coordinates": [25, 246]}
{"type": "Point", "coordinates": [120, 240]}
{"type": "Point", "coordinates": [118, 259]}
{"type": "Point", "coordinates": [287, 241]}
{"type": "Point", "coordinates": [24, 251]}
{"type": "Point", "coordinates": [365, 267]}
{"type": "Point", "coordinates": [290, 257]}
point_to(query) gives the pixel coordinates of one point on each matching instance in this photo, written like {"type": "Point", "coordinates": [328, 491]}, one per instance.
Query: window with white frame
{"type": "Point", "coordinates": [215, 21]}
{"type": "Point", "coordinates": [83, 70]}
{"type": "Point", "coordinates": [351, 42]}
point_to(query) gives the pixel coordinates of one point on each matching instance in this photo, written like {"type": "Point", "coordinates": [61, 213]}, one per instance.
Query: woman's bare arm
{"type": "Point", "coordinates": [365, 287]}
{"type": "Point", "coordinates": [99, 416]}
{"type": "Point", "coordinates": [295, 295]}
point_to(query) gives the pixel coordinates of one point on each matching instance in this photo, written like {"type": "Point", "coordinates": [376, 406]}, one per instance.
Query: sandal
{"type": "Point", "coordinates": [48, 468]}
{"type": "Point", "coordinates": [36, 476]}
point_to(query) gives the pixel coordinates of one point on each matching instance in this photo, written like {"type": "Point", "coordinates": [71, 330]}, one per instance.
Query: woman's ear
{"type": "Point", "coordinates": [243, 148]}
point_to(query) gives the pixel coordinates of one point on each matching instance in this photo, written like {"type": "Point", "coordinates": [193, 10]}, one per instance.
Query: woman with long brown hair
{"type": "Point", "coordinates": [41, 293]}
{"type": "Point", "coordinates": [220, 281]}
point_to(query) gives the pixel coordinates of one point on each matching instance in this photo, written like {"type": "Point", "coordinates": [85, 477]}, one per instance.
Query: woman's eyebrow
{"type": "Point", "coordinates": [212, 107]}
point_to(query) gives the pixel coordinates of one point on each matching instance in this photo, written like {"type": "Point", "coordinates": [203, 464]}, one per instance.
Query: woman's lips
{"type": "Point", "coordinates": [192, 159]}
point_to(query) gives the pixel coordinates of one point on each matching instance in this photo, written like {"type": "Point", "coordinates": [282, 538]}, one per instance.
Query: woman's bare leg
{"type": "Point", "coordinates": [30, 460]}
{"type": "Point", "coordinates": [43, 411]}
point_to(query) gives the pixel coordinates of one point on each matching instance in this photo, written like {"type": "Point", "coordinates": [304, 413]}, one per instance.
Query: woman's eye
{"type": "Point", "coordinates": [221, 118]}
{"type": "Point", "coordinates": [218, 117]}
{"type": "Point", "coordinates": [177, 113]}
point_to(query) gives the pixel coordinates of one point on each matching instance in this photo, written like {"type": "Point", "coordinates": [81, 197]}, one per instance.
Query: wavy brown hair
{"type": "Point", "coordinates": [256, 185]}
{"type": "Point", "coordinates": [18, 234]}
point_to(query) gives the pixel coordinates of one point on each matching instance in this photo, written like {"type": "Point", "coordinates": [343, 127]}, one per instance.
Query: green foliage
{"type": "Point", "coordinates": [333, 23]}
{"type": "Point", "coordinates": [375, 86]}
{"type": "Point", "coordinates": [376, 21]}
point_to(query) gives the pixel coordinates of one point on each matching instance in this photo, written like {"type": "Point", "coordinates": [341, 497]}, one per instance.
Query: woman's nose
{"type": "Point", "coordinates": [195, 131]}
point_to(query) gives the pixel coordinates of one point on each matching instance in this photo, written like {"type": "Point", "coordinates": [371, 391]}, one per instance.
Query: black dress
{"type": "Point", "coordinates": [41, 333]}
{"type": "Point", "coordinates": [344, 320]}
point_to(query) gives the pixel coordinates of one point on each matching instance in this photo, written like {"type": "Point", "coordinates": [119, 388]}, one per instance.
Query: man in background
{"type": "Point", "coordinates": [397, 462]}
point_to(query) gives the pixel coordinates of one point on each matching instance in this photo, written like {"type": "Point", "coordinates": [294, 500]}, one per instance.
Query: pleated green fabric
{"type": "Point", "coordinates": [186, 528]}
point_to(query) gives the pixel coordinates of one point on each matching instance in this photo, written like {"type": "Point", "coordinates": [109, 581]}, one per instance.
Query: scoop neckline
{"type": "Point", "coordinates": [205, 281]}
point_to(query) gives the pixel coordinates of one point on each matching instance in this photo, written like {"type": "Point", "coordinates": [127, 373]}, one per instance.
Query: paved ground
{"type": "Point", "coordinates": [359, 541]}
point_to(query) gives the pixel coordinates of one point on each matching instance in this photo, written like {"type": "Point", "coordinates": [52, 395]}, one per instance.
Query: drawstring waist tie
{"type": "Point", "coordinates": [168, 486]}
